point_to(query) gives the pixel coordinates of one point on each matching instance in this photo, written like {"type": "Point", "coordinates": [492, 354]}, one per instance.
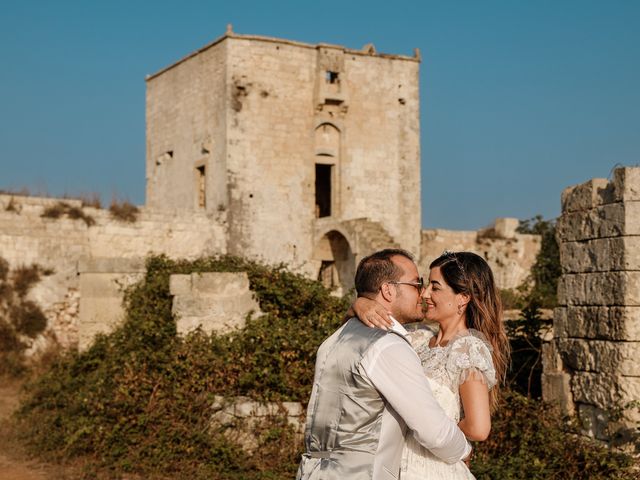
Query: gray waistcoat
{"type": "Point", "coordinates": [351, 433]}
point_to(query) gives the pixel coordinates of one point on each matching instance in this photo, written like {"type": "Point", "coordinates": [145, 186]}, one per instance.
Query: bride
{"type": "Point", "coordinates": [464, 361]}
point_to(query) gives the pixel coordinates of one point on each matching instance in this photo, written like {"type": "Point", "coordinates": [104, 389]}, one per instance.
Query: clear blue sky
{"type": "Point", "coordinates": [520, 99]}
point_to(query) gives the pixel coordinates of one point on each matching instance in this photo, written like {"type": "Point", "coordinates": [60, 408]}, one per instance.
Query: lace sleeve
{"type": "Point", "coordinates": [470, 357]}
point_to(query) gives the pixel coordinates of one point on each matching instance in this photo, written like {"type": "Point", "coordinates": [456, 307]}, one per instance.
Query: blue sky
{"type": "Point", "coordinates": [520, 99]}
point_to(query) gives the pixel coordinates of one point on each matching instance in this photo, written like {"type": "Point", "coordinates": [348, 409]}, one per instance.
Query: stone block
{"type": "Point", "coordinates": [626, 184]}
{"type": "Point", "coordinates": [110, 265]}
{"type": "Point", "coordinates": [599, 222]}
{"type": "Point", "coordinates": [606, 391]}
{"type": "Point", "coordinates": [179, 284]}
{"type": "Point", "coordinates": [556, 388]}
{"type": "Point", "coordinates": [242, 416]}
{"type": "Point", "coordinates": [560, 322]}
{"type": "Point", "coordinates": [551, 359]}
{"type": "Point", "coordinates": [213, 301]}
{"type": "Point", "coordinates": [600, 255]}
{"type": "Point", "coordinates": [585, 196]}
{"type": "Point", "coordinates": [594, 421]}
{"type": "Point", "coordinates": [600, 289]}
{"type": "Point", "coordinates": [506, 227]}
{"type": "Point", "coordinates": [601, 356]}
{"type": "Point", "coordinates": [220, 283]}
{"type": "Point", "coordinates": [610, 323]}
{"type": "Point", "coordinates": [294, 409]}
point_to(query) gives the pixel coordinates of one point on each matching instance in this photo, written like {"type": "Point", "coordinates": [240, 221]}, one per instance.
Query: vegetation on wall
{"type": "Point", "coordinates": [21, 319]}
{"type": "Point", "coordinates": [546, 270]}
{"type": "Point", "coordinates": [60, 209]}
{"type": "Point", "coordinates": [140, 399]}
{"type": "Point", "coordinates": [123, 211]}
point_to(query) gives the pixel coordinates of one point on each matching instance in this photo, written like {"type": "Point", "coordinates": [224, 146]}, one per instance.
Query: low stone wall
{"type": "Point", "coordinates": [102, 285]}
{"type": "Point", "coordinates": [509, 254]}
{"type": "Point", "coordinates": [244, 418]}
{"type": "Point", "coordinates": [213, 301]}
{"type": "Point", "coordinates": [64, 244]}
{"type": "Point", "coordinates": [591, 365]}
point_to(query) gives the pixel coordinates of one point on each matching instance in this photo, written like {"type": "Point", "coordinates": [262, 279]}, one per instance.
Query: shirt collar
{"type": "Point", "coordinates": [397, 327]}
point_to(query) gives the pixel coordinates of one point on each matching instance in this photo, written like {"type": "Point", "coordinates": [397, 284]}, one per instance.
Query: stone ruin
{"type": "Point", "coordinates": [591, 366]}
{"type": "Point", "coordinates": [248, 154]}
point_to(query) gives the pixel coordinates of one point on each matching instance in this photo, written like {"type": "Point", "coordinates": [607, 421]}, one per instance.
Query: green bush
{"type": "Point", "coordinates": [546, 270]}
{"type": "Point", "coordinates": [530, 440]}
{"type": "Point", "coordinates": [140, 399]}
{"type": "Point", "coordinates": [20, 318]}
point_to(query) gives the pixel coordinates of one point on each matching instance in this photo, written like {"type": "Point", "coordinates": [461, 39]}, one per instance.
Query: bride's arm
{"type": "Point", "coordinates": [476, 423]}
{"type": "Point", "coordinates": [370, 312]}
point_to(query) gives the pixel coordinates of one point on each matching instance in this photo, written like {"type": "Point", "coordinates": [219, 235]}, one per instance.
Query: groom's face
{"type": "Point", "coordinates": [407, 304]}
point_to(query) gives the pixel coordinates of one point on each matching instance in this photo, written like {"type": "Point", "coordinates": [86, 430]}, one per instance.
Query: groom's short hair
{"type": "Point", "coordinates": [376, 269]}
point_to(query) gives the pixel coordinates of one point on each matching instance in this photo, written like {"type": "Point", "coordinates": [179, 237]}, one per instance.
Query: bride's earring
{"type": "Point", "coordinates": [459, 309]}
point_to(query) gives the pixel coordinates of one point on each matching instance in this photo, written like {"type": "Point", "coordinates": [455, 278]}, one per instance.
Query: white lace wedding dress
{"type": "Point", "coordinates": [446, 369]}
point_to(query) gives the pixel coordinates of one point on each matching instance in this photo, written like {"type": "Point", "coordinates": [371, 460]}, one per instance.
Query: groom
{"type": "Point", "coordinates": [369, 386]}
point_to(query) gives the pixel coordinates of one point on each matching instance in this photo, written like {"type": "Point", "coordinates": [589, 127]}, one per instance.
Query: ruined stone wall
{"type": "Point", "coordinates": [270, 149]}
{"type": "Point", "coordinates": [591, 366]}
{"type": "Point", "coordinates": [270, 112]}
{"type": "Point", "coordinates": [509, 254]}
{"type": "Point", "coordinates": [279, 99]}
{"type": "Point", "coordinates": [212, 301]}
{"type": "Point", "coordinates": [186, 130]}
{"type": "Point", "coordinates": [382, 145]}
{"type": "Point", "coordinates": [63, 244]}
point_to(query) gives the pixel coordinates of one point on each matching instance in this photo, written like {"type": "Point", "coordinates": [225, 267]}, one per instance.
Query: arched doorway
{"type": "Point", "coordinates": [337, 262]}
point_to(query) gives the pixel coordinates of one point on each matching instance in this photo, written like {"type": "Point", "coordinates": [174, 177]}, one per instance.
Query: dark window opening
{"type": "Point", "coordinates": [202, 192]}
{"type": "Point", "coordinates": [332, 77]}
{"type": "Point", "coordinates": [323, 190]}
{"type": "Point", "coordinates": [327, 274]}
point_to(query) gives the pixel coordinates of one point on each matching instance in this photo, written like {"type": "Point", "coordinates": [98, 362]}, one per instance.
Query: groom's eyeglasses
{"type": "Point", "coordinates": [419, 284]}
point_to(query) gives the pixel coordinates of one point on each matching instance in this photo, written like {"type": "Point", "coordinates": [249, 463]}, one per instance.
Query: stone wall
{"type": "Point", "coordinates": [591, 365]}
{"type": "Point", "coordinates": [212, 301]}
{"type": "Point", "coordinates": [71, 248]}
{"type": "Point", "coordinates": [244, 418]}
{"type": "Point", "coordinates": [510, 254]}
{"type": "Point", "coordinates": [102, 285]}
{"type": "Point", "coordinates": [258, 114]}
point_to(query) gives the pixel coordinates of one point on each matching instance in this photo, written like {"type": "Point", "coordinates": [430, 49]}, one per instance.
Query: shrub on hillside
{"type": "Point", "coordinates": [20, 318]}
{"type": "Point", "coordinates": [140, 399]}
{"type": "Point", "coordinates": [529, 439]}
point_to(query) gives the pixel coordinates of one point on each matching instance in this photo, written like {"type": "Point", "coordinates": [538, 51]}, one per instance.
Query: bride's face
{"type": "Point", "coordinates": [441, 301]}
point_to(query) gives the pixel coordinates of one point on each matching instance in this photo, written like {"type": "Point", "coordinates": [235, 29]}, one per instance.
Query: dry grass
{"type": "Point", "coordinates": [74, 213]}
{"type": "Point", "coordinates": [124, 210]}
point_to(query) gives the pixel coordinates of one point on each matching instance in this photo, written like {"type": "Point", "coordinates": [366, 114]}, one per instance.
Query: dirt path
{"type": "Point", "coordinates": [14, 464]}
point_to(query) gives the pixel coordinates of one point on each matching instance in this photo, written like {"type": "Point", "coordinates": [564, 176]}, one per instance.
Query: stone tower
{"type": "Point", "coordinates": [309, 154]}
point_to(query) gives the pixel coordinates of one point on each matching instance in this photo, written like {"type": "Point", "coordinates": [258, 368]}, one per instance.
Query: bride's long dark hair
{"type": "Point", "coordinates": [469, 274]}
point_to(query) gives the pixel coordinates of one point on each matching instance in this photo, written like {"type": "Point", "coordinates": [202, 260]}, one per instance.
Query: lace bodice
{"type": "Point", "coordinates": [468, 353]}
{"type": "Point", "coordinates": [446, 368]}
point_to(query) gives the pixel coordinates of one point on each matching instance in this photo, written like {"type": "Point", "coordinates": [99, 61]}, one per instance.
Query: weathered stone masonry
{"type": "Point", "coordinates": [265, 148]}
{"type": "Point", "coordinates": [592, 365]}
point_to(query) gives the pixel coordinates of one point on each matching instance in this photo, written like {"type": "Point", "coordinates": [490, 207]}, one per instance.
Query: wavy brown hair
{"type": "Point", "coordinates": [469, 274]}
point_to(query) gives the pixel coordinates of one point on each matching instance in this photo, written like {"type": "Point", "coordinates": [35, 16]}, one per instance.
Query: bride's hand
{"type": "Point", "coordinates": [371, 313]}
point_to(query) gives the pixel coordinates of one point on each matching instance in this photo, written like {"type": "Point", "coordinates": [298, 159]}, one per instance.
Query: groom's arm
{"type": "Point", "coordinates": [394, 369]}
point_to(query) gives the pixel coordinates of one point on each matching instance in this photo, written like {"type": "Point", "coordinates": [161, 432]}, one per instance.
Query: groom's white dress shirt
{"type": "Point", "coordinates": [396, 372]}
